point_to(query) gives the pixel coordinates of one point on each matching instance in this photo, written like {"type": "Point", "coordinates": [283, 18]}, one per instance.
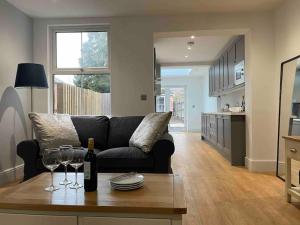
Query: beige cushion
{"type": "Point", "coordinates": [53, 130]}
{"type": "Point", "coordinates": [150, 130]}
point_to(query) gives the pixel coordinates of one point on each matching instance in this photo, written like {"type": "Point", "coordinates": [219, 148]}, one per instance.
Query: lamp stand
{"type": "Point", "coordinates": [31, 110]}
{"type": "Point", "coordinates": [31, 100]}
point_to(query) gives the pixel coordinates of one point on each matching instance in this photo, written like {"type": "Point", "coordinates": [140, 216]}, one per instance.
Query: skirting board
{"type": "Point", "coordinates": [254, 165]}
{"type": "Point", "coordinates": [11, 174]}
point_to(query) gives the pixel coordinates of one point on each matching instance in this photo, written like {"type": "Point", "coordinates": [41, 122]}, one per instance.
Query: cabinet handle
{"type": "Point", "coordinates": [293, 150]}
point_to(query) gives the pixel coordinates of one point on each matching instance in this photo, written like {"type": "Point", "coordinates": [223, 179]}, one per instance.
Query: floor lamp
{"type": "Point", "coordinates": [31, 75]}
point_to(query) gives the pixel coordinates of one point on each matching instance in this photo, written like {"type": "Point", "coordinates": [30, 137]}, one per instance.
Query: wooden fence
{"type": "Point", "coordinates": [74, 100]}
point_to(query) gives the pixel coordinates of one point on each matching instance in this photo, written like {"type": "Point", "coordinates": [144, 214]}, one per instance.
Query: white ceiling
{"type": "Point", "coordinates": [174, 49]}
{"type": "Point", "coordinates": [100, 8]}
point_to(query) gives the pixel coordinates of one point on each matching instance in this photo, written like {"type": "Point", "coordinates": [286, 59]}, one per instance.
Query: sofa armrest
{"type": "Point", "coordinates": [162, 151]}
{"type": "Point", "coordinates": [29, 151]}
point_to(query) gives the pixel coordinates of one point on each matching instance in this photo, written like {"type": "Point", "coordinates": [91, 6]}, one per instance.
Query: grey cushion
{"type": "Point", "coordinates": [124, 157]}
{"type": "Point", "coordinates": [92, 127]}
{"type": "Point", "coordinates": [53, 130]}
{"type": "Point", "coordinates": [150, 130]}
{"type": "Point", "coordinates": [121, 129]}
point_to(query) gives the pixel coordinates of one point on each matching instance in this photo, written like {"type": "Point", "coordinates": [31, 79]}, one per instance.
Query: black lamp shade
{"type": "Point", "coordinates": [31, 75]}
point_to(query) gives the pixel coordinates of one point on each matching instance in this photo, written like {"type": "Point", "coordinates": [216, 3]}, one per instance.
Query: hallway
{"type": "Point", "coordinates": [219, 194]}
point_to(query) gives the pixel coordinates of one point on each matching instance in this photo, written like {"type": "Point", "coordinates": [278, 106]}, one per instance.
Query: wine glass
{"type": "Point", "coordinates": [66, 158]}
{"type": "Point", "coordinates": [51, 160]}
{"type": "Point", "coordinates": [77, 161]}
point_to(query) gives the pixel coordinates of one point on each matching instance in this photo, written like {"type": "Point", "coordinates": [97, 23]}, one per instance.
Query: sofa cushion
{"type": "Point", "coordinates": [150, 130]}
{"type": "Point", "coordinates": [121, 129]}
{"type": "Point", "coordinates": [92, 127]}
{"type": "Point", "coordinates": [53, 130]}
{"type": "Point", "coordinates": [124, 158]}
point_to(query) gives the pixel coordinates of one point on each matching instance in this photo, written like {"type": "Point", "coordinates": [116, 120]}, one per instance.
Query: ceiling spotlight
{"type": "Point", "coordinates": [192, 37]}
{"type": "Point", "coordinates": [190, 44]}
{"type": "Point", "coordinates": [186, 56]}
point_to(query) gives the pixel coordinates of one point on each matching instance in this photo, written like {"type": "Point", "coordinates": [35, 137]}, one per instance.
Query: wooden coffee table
{"type": "Point", "coordinates": [160, 202]}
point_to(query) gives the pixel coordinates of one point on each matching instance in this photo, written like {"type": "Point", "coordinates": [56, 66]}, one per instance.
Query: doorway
{"type": "Point", "coordinates": [173, 98]}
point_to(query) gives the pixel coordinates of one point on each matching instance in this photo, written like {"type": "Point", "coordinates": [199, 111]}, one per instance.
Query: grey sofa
{"type": "Point", "coordinates": [111, 147]}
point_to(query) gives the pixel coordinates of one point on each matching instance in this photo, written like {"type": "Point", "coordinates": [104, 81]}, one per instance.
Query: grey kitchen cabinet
{"type": "Point", "coordinates": [222, 70]}
{"type": "Point", "coordinates": [240, 50]}
{"type": "Point", "coordinates": [220, 132]}
{"type": "Point", "coordinates": [227, 134]}
{"type": "Point", "coordinates": [203, 128]}
{"type": "Point", "coordinates": [211, 84]}
{"type": "Point", "coordinates": [216, 77]}
{"type": "Point", "coordinates": [213, 128]}
{"type": "Point", "coordinates": [221, 75]}
{"type": "Point", "coordinates": [205, 123]}
{"type": "Point", "coordinates": [225, 71]}
{"type": "Point", "coordinates": [231, 63]}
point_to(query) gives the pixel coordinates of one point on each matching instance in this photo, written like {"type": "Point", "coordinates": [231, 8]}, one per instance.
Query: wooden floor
{"type": "Point", "coordinates": [219, 194]}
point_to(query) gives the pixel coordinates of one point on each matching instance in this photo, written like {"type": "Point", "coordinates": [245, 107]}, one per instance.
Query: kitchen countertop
{"type": "Point", "coordinates": [227, 113]}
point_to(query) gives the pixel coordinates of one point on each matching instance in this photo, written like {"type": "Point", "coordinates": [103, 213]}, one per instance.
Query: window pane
{"type": "Point", "coordinates": [82, 50]}
{"type": "Point", "coordinates": [68, 50]}
{"type": "Point", "coordinates": [175, 71]}
{"type": "Point", "coordinates": [82, 94]}
{"type": "Point", "coordinates": [94, 50]}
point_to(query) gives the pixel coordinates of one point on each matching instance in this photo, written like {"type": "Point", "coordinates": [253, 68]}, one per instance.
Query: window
{"type": "Point", "coordinates": [160, 103]}
{"type": "Point", "coordinates": [81, 72]}
{"type": "Point", "coordinates": [175, 71]}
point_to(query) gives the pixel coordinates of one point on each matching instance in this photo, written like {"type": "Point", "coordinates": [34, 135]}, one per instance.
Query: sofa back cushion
{"type": "Point", "coordinates": [150, 130]}
{"type": "Point", "coordinates": [121, 129]}
{"type": "Point", "coordinates": [92, 127]}
{"type": "Point", "coordinates": [53, 130]}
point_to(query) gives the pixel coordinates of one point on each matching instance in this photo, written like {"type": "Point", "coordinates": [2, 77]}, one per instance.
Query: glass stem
{"type": "Point", "coordinates": [66, 173]}
{"type": "Point", "coordinates": [52, 178]}
{"type": "Point", "coordinates": [76, 171]}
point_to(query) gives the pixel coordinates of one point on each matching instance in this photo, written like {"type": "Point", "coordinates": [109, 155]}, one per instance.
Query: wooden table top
{"type": "Point", "coordinates": [292, 138]}
{"type": "Point", "coordinates": [162, 193]}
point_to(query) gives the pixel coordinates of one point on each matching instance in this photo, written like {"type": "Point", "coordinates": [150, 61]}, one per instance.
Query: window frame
{"type": "Point", "coordinates": [73, 29]}
{"type": "Point", "coordinates": [52, 46]}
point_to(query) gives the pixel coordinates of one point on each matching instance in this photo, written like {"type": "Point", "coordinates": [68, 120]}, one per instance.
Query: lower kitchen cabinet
{"type": "Point", "coordinates": [226, 132]}
{"type": "Point", "coordinates": [220, 131]}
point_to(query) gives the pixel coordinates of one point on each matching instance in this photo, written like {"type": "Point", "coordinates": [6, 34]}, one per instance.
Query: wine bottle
{"type": "Point", "coordinates": [90, 168]}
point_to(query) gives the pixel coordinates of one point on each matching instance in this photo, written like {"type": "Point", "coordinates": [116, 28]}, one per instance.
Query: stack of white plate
{"type": "Point", "coordinates": [127, 182]}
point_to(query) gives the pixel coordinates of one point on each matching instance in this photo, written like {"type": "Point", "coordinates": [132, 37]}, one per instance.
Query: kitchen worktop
{"type": "Point", "coordinates": [227, 113]}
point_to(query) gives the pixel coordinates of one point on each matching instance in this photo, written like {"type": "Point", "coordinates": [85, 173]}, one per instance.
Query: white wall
{"type": "Point", "coordinates": [287, 34]}
{"type": "Point", "coordinates": [132, 67]}
{"type": "Point", "coordinates": [16, 47]}
{"type": "Point", "coordinates": [209, 103]}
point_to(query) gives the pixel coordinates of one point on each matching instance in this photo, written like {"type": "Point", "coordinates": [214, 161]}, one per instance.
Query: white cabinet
{"type": "Point", "coordinates": [121, 221]}
{"type": "Point", "coordinates": [25, 219]}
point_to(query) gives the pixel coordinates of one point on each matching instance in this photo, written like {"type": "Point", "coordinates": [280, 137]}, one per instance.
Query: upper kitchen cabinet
{"type": "Point", "coordinates": [211, 83]}
{"type": "Point", "coordinates": [240, 50]}
{"type": "Point", "coordinates": [217, 77]}
{"type": "Point", "coordinates": [221, 75]}
{"type": "Point", "coordinates": [231, 63]}
{"type": "Point", "coordinates": [227, 72]}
